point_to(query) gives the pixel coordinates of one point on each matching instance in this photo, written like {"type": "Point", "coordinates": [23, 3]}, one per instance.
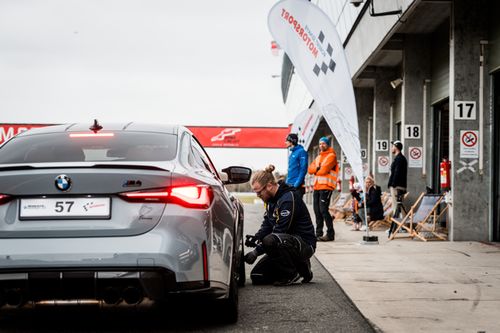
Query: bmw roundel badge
{"type": "Point", "coordinates": [63, 183]}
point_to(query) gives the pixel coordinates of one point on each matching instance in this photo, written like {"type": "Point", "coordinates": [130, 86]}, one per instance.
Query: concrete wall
{"type": "Point", "coordinates": [364, 104]}
{"type": "Point", "coordinates": [470, 189]}
{"type": "Point", "coordinates": [416, 68]}
{"type": "Point", "coordinates": [384, 97]}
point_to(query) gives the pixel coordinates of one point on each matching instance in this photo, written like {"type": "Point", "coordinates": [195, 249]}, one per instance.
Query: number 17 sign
{"type": "Point", "coordinates": [465, 110]}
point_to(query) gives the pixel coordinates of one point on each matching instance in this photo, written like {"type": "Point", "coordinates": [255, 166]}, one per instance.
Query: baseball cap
{"type": "Point", "coordinates": [398, 144]}
{"type": "Point", "coordinates": [293, 138]}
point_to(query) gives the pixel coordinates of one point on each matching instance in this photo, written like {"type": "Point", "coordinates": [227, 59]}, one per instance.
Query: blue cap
{"type": "Point", "coordinates": [325, 140]}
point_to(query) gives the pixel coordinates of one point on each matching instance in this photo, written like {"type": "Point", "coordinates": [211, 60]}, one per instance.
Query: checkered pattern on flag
{"type": "Point", "coordinates": [310, 40]}
{"type": "Point", "coordinates": [324, 67]}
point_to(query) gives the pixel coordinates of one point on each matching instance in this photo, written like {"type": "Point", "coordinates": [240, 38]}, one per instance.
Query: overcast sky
{"type": "Point", "coordinates": [188, 62]}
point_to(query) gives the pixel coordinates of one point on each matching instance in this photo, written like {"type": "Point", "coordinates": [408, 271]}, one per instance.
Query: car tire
{"type": "Point", "coordinates": [229, 306]}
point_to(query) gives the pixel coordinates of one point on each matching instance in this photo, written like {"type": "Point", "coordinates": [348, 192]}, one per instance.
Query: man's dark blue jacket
{"type": "Point", "coordinates": [399, 171]}
{"type": "Point", "coordinates": [297, 166]}
{"type": "Point", "coordinates": [287, 213]}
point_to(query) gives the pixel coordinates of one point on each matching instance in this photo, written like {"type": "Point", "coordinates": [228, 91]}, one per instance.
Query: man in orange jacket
{"type": "Point", "coordinates": [325, 171]}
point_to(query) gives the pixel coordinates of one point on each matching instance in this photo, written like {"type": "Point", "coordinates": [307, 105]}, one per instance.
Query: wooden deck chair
{"type": "Point", "coordinates": [422, 210]}
{"type": "Point", "coordinates": [428, 229]}
{"type": "Point", "coordinates": [347, 208]}
{"type": "Point", "coordinates": [337, 208]}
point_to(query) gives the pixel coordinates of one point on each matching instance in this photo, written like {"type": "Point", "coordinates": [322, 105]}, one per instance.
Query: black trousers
{"type": "Point", "coordinates": [321, 204]}
{"type": "Point", "coordinates": [301, 191]}
{"type": "Point", "coordinates": [286, 255]}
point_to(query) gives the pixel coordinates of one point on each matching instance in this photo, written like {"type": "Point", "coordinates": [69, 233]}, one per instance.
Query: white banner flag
{"type": "Point", "coordinates": [305, 125]}
{"type": "Point", "coordinates": [312, 43]}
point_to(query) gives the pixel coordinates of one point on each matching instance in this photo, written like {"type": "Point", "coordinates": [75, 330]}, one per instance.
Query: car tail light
{"type": "Point", "coordinates": [4, 198]}
{"type": "Point", "coordinates": [193, 196]}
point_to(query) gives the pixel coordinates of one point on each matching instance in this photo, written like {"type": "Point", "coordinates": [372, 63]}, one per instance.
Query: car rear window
{"type": "Point", "coordinates": [61, 147]}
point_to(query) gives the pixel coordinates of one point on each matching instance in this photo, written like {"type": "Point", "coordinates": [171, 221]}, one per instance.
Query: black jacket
{"type": "Point", "coordinates": [399, 171]}
{"type": "Point", "coordinates": [287, 213]}
{"type": "Point", "coordinates": [374, 203]}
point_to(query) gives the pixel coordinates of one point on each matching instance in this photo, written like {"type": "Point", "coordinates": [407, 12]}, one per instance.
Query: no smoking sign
{"type": "Point", "coordinates": [469, 147]}
{"type": "Point", "coordinates": [469, 138]}
{"type": "Point", "coordinates": [415, 154]}
{"type": "Point", "coordinates": [383, 164]}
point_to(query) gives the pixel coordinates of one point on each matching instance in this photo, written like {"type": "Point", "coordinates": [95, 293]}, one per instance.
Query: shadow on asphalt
{"type": "Point", "coordinates": [178, 317]}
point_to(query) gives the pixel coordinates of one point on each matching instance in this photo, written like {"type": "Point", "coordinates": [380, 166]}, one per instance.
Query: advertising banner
{"type": "Point", "coordinates": [311, 41]}
{"type": "Point", "coordinates": [241, 137]}
{"type": "Point", "coordinates": [7, 131]}
{"type": "Point", "coordinates": [209, 137]}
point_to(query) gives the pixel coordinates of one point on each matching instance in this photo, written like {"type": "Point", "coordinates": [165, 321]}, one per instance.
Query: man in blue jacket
{"type": "Point", "coordinates": [297, 163]}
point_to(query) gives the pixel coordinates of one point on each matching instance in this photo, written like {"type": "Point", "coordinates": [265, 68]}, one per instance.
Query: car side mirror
{"type": "Point", "coordinates": [237, 174]}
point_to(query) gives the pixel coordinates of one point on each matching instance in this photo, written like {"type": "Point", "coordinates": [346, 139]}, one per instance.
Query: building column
{"type": "Point", "coordinates": [364, 105]}
{"type": "Point", "coordinates": [416, 69]}
{"type": "Point", "coordinates": [470, 213]}
{"type": "Point", "coordinates": [384, 98]}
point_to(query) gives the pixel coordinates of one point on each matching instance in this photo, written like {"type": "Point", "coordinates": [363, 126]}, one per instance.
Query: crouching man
{"type": "Point", "coordinates": [286, 236]}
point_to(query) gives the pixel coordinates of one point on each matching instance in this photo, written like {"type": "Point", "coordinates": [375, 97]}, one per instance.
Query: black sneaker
{"type": "Point", "coordinates": [326, 238]}
{"type": "Point", "coordinates": [308, 277]}
{"type": "Point", "coordinates": [287, 282]}
{"type": "Point", "coordinates": [304, 269]}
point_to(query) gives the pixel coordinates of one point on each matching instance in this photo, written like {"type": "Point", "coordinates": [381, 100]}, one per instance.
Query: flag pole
{"type": "Point", "coordinates": [367, 239]}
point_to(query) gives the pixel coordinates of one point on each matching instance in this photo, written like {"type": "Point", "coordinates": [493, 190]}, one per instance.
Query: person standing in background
{"type": "Point", "coordinates": [397, 180]}
{"type": "Point", "coordinates": [374, 206]}
{"type": "Point", "coordinates": [325, 171]}
{"type": "Point", "coordinates": [297, 163]}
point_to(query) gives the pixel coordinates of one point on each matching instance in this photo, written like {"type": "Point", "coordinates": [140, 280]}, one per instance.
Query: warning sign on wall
{"type": "Point", "coordinates": [383, 164]}
{"type": "Point", "coordinates": [415, 157]}
{"type": "Point", "coordinates": [469, 147]}
{"type": "Point", "coordinates": [347, 172]}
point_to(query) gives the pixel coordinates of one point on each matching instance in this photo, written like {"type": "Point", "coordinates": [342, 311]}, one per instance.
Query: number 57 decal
{"type": "Point", "coordinates": [63, 206]}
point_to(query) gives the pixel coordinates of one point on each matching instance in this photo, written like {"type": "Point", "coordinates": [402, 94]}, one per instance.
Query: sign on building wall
{"type": "Point", "coordinates": [415, 157]}
{"type": "Point", "coordinates": [381, 145]}
{"type": "Point", "coordinates": [469, 147]}
{"type": "Point", "coordinates": [347, 172]}
{"type": "Point", "coordinates": [363, 154]}
{"type": "Point", "coordinates": [465, 110]}
{"type": "Point", "coordinates": [383, 164]}
{"type": "Point", "coordinates": [412, 131]}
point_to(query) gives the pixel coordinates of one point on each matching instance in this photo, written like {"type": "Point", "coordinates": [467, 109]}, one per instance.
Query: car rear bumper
{"type": "Point", "coordinates": [125, 285]}
{"type": "Point", "coordinates": [109, 269]}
